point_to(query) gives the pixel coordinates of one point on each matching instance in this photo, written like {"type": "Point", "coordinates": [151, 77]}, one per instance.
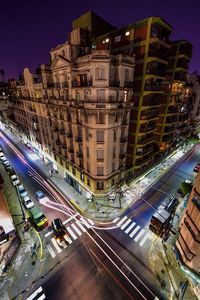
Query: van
{"type": "Point", "coordinates": [37, 217]}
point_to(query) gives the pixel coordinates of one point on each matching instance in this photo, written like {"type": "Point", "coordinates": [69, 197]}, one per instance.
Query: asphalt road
{"type": "Point", "coordinates": [102, 264]}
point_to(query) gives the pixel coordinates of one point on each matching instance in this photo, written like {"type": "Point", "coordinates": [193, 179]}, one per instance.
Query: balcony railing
{"type": "Point", "coordinates": [76, 83]}
{"type": "Point", "coordinates": [114, 83]}
{"type": "Point", "coordinates": [157, 72]}
{"type": "Point", "coordinates": [152, 87]}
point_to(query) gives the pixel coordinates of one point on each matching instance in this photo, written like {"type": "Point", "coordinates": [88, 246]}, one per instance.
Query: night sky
{"type": "Point", "coordinates": [29, 29]}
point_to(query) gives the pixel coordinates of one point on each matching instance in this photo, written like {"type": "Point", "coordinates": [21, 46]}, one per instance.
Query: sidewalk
{"type": "Point", "coordinates": [18, 257]}
{"type": "Point", "coordinates": [165, 266]}
{"type": "Point", "coordinates": [97, 210]}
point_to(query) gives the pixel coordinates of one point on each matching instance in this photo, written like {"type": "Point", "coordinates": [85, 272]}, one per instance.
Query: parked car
{"type": "Point", "coordinates": [3, 236]}
{"type": "Point", "coordinates": [196, 168]}
{"type": "Point", "coordinates": [28, 203]}
{"type": "Point", "coordinates": [11, 172]}
{"type": "Point", "coordinates": [22, 192]}
{"type": "Point", "coordinates": [40, 196]}
{"type": "Point", "coordinates": [1, 154]}
{"type": "Point", "coordinates": [8, 169]}
{"type": "Point", "coordinates": [59, 230]}
{"type": "Point", "coordinates": [15, 180]}
{"type": "Point", "coordinates": [3, 158]}
{"type": "Point", "coordinates": [172, 205]}
{"type": "Point", "coordinates": [5, 163]}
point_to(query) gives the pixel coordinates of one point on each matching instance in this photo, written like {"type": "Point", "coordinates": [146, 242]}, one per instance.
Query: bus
{"type": "Point", "coordinates": [160, 222]}
{"type": "Point", "coordinates": [37, 217]}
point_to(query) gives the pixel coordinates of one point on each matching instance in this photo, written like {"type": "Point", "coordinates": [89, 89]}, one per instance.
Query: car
{"type": "Point", "coordinates": [40, 196]}
{"type": "Point", "coordinates": [8, 169]}
{"type": "Point", "coordinates": [172, 205]}
{"type": "Point", "coordinates": [196, 168]}
{"type": "Point", "coordinates": [15, 180]}
{"type": "Point", "coordinates": [28, 203]}
{"type": "Point", "coordinates": [1, 154]}
{"type": "Point", "coordinates": [22, 192]}
{"type": "Point", "coordinates": [5, 162]}
{"type": "Point", "coordinates": [3, 236]}
{"type": "Point", "coordinates": [3, 158]}
{"type": "Point", "coordinates": [11, 171]}
{"type": "Point", "coordinates": [198, 164]}
{"type": "Point", "coordinates": [59, 230]}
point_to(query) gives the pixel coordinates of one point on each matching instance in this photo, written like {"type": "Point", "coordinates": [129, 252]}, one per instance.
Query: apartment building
{"type": "Point", "coordinates": [77, 110]}
{"type": "Point", "coordinates": [109, 103]}
{"type": "Point", "coordinates": [161, 109]}
{"type": "Point", "coordinates": [189, 233]}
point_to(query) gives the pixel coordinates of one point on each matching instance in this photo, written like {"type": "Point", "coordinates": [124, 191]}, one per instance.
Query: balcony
{"type": "Point", "coordinates": [152, 87]}
{"type": "Point", "coordinates": [155, 52]}
{"type": "Point", "coordinates": [128, 84]}
{"type": "Point", "coordinates": [79, 154]}
{"type": "Point", "coordinates": [139, 163]}
{"type": "Point", "coordinates": [123, 140]}
{"type": "Point", "coordinates": [122, 155]}
{"type": "Point", "coordinates": [145, 141]}
{"type": "Point", "coordinates": [69, 135]}
{"type": "Point", "coordinates": [114, 83]}
{"type": "Point", "coordinates": [58, 143]}
{"type": "Point", "coordinates": [71, 150]}
{"type": "Point", "coordinates": [147, 128]}
{"type": "Point", "coordinates": [64, 84]}
{"type": "Point", "coordinates": [144, 151]}
{"type": "Point", "coordinates": [78, 138]}
{"type": "Point", "coordinates": [156, 72]}
{"type": "Point", "coordinates": [76, 83]}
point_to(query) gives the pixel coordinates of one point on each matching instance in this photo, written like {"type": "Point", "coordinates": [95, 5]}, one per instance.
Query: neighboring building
{"type": "Point", "coordinates": [160, 98]}
{"type": "Point", "coordinates": [105, 107]}
{"type": "Point", "coordinates": [194, 81]}
{"type": "Point", "coordinates": [188, 242]}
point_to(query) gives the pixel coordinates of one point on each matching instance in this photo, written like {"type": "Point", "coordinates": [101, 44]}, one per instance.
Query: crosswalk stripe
{"type": "Point", "coordinates": [71, 233]}
{"type": "Point", "coordinates": [86, 223]}
{"type": "Point", "coordinates": [38, 291]}
{"type": "Point", "coordinates": [139, 235]}
{"type": "Point", "coordinates": [70, 218]}
{"type": "Point", "coordinates": [68, 239]}
{"type": "Point", "coordinates": [56, 245]}
{"type": "Point", "coordinates": [90, 221]}
{"type": "Point", "coordinates": [125, 224]}
{"type": "Point", "coordinates": [115, 220]}
{"type": "Point", "coordinates": [134, 231]}
{"type": "Point", "coordinates": [130, 227]}
{"type": "Point", "coordinates": [64, 245]}
{"type": "Point", "coordinates": [76, 229]}
{"type": "Point", "coordinates": [51, 251]}
{"type": "Point", "coordinates": [42, 297]}
{"type": "Point", "coordinates": [81, 226]}
{"type": "Point", "coordinates": [48, 233]}
{"type": "Point", "coordinates": [144, 239]}
{"type": "Point", "coordinates": [122, 220]}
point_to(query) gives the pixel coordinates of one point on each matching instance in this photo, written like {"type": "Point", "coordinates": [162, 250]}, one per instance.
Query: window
{"type": "Point", "coordinates": [100, 73]}
{"type": "Point", "coordinates": [126, 75]}
{"type": "Point", "coordinates": [88, 167]}
{"type": "Point", "coordinates": [114, 152]}
{"type": "Point", "coordinates": [100, 136]}
{"type": "Point", "coordinates": [100, 171]}
{"type": "Point", "coordinates": [100, 118]}
{"type": "Point", "coordinates": [74, 171]}
{"type": "Point", "coordinates": [100, 154]}
{"type": "Point", "coordinates": [127, 33]}
{"type": "Point", "coordinates": [100, 185]}
{"type": "Point", "coordinates": [82, 176]}
{"type": "Point", "coordinates": [87, 152]}
{"type": "Point", "coordinates": [113, 167]}
{"type": "Point", "coordinates": [115, 135]}
{"type": "Point", "coordinates": [117, 38]}
{"type": "Point", "coordinates": [88, 181]}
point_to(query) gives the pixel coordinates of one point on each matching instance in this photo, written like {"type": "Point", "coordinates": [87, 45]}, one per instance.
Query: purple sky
{"type": "Point", "coordinates": [29, 29]}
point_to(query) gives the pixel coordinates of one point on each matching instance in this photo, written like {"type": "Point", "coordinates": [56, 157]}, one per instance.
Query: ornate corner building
{"type": "Point", "coordinates": [110, 102]}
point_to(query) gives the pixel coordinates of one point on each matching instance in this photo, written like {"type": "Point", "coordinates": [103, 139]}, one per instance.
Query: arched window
{"type": "Point", "coordinates": [100, 73]}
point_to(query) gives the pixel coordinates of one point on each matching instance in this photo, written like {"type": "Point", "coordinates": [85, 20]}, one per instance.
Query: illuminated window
{"type": "Point", "coordinates": [107, 40]}
{"type": "Point", "coordinates": [117, 38]}
{"type": "Point", "coordinates": [127, 33]}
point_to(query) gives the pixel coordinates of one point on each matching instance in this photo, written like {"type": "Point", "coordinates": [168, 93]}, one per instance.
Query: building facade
{"type": "Point", "coordinates": [108, 104]}
{"type": "Point", "coordinates": [188, 242]}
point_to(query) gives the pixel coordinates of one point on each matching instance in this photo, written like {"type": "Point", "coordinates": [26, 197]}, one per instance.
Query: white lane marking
{"type": "Point", "coordinates": [130, 227]}
{"type": "Point", "coordinates": [56, 245]}
{"type": "Point", "coordinates": [42, 297]}
{"type": "Point", "coordinates": [90, 221]}
{"type": "Point", "coordinates": [71, 218]}
{"type": "Point", "coordinates": [48, 233]}
{"type": "Point", "coordinates": [76, 229]}
{"type": "Point", "coordinates": [86, 223]}
{"type": "Point", "coordinates": [144, 239]}
{"type": "Point", "coordinates": [115, 220]}
{"type": "Point", "coordinates": [122, 220]}
{"type": "Point", "coordinates": [125, 224]}
{"type": "Point", "coordinates": [134, 231]}
{"type": "Point", "coordinates": [64, 245]}
{"type": "Point", "coordinates": [67, 239]}
{"type": "Point", "coordinates": [71, 233]}
{"type": "Point", "coordinates": [81, 226]}
{"type": "Point", "coordinates": [38, 291]}
{"type": "Point", "coordinates": [51, 251]}
{"type": "Point", "coordinates": [138, 236]}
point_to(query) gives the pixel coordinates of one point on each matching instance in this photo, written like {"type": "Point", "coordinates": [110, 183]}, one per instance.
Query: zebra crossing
{"type": "Point", "coordinates": [74, 230]}
{"type": "Point", "coordinates": [132, 229]}
{"type": "Point", "coordinates": [37, 295]}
